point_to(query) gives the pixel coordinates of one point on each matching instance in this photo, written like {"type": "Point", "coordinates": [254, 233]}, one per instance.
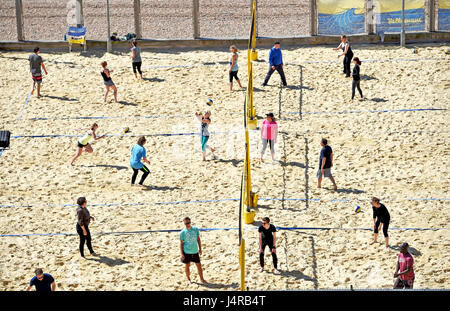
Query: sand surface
{"type": "Point", "coordinates": [399, 156]}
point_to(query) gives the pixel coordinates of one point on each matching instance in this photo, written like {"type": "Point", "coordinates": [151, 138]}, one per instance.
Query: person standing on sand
{"type": "Point", "coordinates": [191, 249]}
{"type": "Point", "coordinates": [205, 121]}
{"type": "Point", "coordinates": [267, 237]}
{"type": "Point", "coordinates": [137, 153]}
{"type": "Point", "coordinates": [275, 63]}
{"type": "Point", "coordinates": [347, 53]}
{"type": "Point", "coordinates": [136, 60]}
{"type": "Point", "coordinates": [106, 74]}
{"type": "Point", "coordinates": [405, 262]}
{"type": "Point", "coordinates": [43, 282]}
{"type": "Point", "coordinates": [83, 142]}
{"type": "Point", "coordinates": [36, 62]}
{"type": "Point", "coordinates": [325, 164]}
{"type": "Point", "coordinates": [356, 78]}
{"type": "Point", "coordinates": [381, 218]}
{"type": "Point", "coordinates": [269, 132]}
{"type": "Point", "coordinates": [233, 71]}
{"type": "Point", "coordinates": [84, 219]}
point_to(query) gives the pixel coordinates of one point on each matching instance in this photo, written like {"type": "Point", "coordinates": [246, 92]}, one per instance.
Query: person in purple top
{"type": "Point", "coordinates": [276, 63]}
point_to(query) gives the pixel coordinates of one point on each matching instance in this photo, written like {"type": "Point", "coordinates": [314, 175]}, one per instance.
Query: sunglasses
{"type": "Point", "coordinates": [187, 223]}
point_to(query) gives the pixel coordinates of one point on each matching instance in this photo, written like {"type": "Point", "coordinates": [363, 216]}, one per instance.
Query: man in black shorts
{"type": "Point", "coordinates": [381, 217]}
{"type": "Point", "coordinates": [36, 63]}
{"type": "Point", "coordinates": [267, 237]}
{"type": "Point", "coordinates": [325, 164]}
{"type": "Point", "coordinates": [191, 249]}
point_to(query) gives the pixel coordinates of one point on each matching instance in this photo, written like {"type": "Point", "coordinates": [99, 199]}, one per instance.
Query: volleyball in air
{"type": "Point", "coordinates": [415, 51]}
{"type": "Point", "coordinates": [126, 129]}
{"type": "Point", "coordinates": [358, 209]}
{"type": "Point", "coordinates": [447, 51]}
{"type": "Point", "coordinates": [209, 102]}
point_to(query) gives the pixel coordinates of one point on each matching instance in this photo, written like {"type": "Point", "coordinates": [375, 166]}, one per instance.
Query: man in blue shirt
{"type": "Point", "coordinates": [276, 63]}
{"type": "Point", "coordinates": [191, 249]}
{"type": "Point", "coordinates": [43, 282]}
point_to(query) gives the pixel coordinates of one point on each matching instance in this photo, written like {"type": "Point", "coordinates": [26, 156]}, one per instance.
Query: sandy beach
{"type": "Point", "coordinates": [392, 145]}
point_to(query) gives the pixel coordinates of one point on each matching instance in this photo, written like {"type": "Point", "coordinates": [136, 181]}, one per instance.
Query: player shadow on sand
{"type": "Point", "coordinates": [378, 100]}
{"type": "Point", "coordinates": [111, 262]}
{"type": "Point", "coordinates": [61, 98]}
{"type": "Point", "coordinates": [164, 188]}
{"type": "Point", "coordinates": [218, 286]}
{"type": "Point", "coordinates": [117, 167]}
{"type": "Point", "coordinates": [125, 103]}
{"type": "Point", "coordinates": [232, 161]}
{"type": "Point", "coordinates": [348, 190]}
{"type": "Point", "coordinates": [154, 79]}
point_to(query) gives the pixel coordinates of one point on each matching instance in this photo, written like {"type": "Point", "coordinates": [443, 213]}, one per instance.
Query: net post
{"type": "Point", "coordinates": [242, 263]}
{"type": "Point", "coordinates": [19, 20]}
{"type": "Point", "coordinates": [137, 19]}
{"type": "Point", "coordinates": [314, 18]}
{"type": "Point", "coordinates": [195, 18]}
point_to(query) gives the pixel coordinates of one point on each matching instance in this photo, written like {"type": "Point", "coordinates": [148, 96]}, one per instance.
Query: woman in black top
{"type": "Point", "coordinates": [381, 218]}
{"type": "Point", "coordinates": [267, 237]}
{"type": "Point", "coordinates": [106, 74]}
{"type": "Point", "coordinates": [348, 54]}
{"type": "Point", "coordinates": [356, 77]}
{"type": "Point", "coordinates": [84, 218]}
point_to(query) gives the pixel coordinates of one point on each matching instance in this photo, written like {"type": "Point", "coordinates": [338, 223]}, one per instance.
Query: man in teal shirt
{"type": "Point", "coordinates": [191, 249]}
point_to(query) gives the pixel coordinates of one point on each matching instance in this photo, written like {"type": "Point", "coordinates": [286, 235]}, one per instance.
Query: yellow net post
{"type": "Point", "coordinates": [242, 263]}
{"type": "Point", "coordinates": [251, 55]}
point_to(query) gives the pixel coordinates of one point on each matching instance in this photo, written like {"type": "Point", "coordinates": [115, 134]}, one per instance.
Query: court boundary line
{"type": "Point", "coordinates": [23, 107]}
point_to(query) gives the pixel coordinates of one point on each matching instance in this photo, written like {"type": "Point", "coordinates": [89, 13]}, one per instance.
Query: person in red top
{"type": "Point", "coordinates": [269, 132]}
{"type": "Point", "coordinates": [405, 278]}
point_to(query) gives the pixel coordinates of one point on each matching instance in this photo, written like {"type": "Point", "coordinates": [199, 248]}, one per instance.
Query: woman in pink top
{"type": "Point", "coordinates": [269, 131]}
{"type": "Point", "coordinates": [405, 278]}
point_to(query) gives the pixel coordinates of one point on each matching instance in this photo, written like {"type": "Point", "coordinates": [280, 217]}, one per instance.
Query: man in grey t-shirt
{"type": "Point", "coordinates": [36, 63]}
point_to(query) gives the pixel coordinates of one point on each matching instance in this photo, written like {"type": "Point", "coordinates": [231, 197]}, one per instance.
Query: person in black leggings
{"type": "Point", "coordinates": [356, 77]}
{"type": "Point", "coordinates": [84, 218]}
{"type": "Point", "coordinates": [381, 217]}
{"type": "Point", "coordinates": [347, 53]}
{"type": "Point", "coordinates": [267, 237]}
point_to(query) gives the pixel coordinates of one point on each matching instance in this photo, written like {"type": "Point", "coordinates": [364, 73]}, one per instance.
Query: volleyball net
{"type": "Point", "coordinates": [248, 199]}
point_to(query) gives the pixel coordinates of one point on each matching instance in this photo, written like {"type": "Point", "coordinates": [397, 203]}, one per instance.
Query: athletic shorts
{"type": "Point", "coordinates": [37, 79]}
{"type": "Point", "coordinates": [400, 284]}
{"type": "Point", "coordinates": [326, 173]}
{"type": "Point", "coordinates": [188, 258]}
{"type": "Point", "coordinates": [81, 146]}
{"type": "Point", "coordinates": [109, 83]}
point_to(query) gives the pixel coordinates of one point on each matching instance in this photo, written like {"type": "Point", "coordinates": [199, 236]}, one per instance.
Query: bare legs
{"type": "Point", "coordinates": [87, 149]}
{"type": "Point", "coordinates": [375, 237]}
{"type": "Point", "coordinates": [199, 269]}
{"type": "Point", "coordinates": [212, 151]}
{"type": "Point", "coordinates": [239, 83]}
{"type": "Point", "coordinates": [114, 90]}
{"type": "Point", "coordinates": [38, 88]}
{"type": "Point", "coordinates": [319, 183]}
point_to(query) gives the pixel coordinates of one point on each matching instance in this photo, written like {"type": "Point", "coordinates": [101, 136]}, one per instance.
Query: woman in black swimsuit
{"type": "Point", "coordinates": [106, 74]}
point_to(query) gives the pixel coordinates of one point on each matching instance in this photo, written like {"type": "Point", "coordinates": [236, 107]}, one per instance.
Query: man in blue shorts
{"type": "Point", "coordinates": [191, 249]}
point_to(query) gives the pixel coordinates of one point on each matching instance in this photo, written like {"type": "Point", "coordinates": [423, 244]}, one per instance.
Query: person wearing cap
{"type": "Point", "coordinates": [275, 63]}
{"type": "Point", "coordinates": [269, 132]}
{"type": "Point", "coordinates": [405, 262]}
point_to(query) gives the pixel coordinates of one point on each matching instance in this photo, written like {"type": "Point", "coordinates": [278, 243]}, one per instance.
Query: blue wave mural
{"type": "Point", "coordinates": [444, 19]}
{"type": "Point", "coordinates": [344, 23]}
{"type": "Point", "coordinates": [392, 21]}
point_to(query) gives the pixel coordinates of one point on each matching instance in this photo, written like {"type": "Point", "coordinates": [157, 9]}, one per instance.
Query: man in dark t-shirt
{"type": "Point", "coordinates": [325, 163]}
{"type": "Point", "coordinates": [36, 63]}
{"type": "Point", "coordinates": [43, 282]}
{"type": "Point", "coordinates": [267, 237]}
